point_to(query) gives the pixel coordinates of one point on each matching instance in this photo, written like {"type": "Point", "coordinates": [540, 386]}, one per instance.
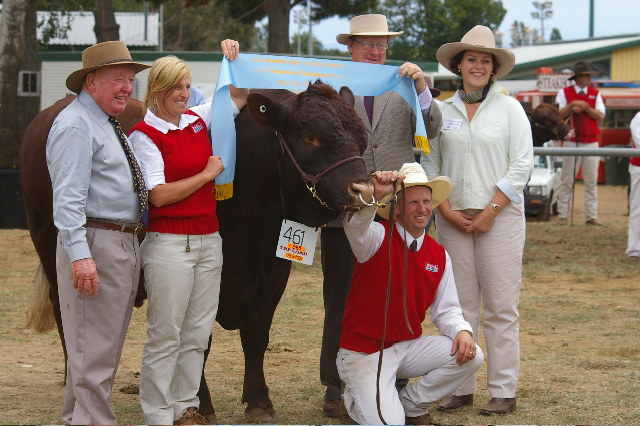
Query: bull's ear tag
{"type": "Point", "coordinates": [297, 242]}
{"type": "Point", "coordinates": [263, 109]}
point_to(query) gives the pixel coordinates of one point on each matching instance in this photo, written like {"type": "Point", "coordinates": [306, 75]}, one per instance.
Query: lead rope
{"type": "Point", "coordinates": [404, 285]}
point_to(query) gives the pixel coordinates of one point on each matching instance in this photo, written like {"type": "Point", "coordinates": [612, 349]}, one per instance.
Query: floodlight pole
{"type": "Point", "coordinates": [544, 13]}
{"type": "Point", "coordinates": [590, 18]}
{"type": "Point", "coordinates": [310, 44]}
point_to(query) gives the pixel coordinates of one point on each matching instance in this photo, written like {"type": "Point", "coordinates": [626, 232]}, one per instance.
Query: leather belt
{"type": "Point", "coordinates": [112, 225]}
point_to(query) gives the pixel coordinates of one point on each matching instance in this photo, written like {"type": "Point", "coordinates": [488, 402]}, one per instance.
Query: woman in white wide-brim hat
{"type": "Point", "coordinates": [485, 147]}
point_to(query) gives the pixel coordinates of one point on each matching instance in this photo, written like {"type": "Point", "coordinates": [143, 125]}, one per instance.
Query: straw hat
{"type": "Point", "coordinates": [582, 68]}
{"type": "Point", "coordinates": [479, 38]}
{"type": "Point", "coordinates": [368, 25]}
{"type": "Point", "coordinates": [414, 175]}
{"type": "Point", "coordinates": [101, 55]}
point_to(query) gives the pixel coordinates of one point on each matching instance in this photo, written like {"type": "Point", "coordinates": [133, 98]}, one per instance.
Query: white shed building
{"type": "Point", "coordinates": [56, 66]}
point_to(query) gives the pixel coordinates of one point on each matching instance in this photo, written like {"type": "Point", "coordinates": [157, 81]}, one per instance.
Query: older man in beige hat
{"type": "Point", "coordinates": [400, 272]}
{"type": "Point", "coordinates": [99, 203]}
{"type": "Point", "coordinates": [390, 125]}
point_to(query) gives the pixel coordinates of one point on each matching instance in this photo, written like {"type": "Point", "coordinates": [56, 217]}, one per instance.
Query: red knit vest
{"type": "Point", "coordinates": [363, 319]}
{"type": "Point", "coordinates": [185, 153]}
{"type": "Point", "coordinates": [586, 127]}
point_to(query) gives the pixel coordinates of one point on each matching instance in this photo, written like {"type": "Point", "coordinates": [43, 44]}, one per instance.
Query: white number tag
{"type": "Point", "coordinates": [452, 124]}
{"type": "Point", "coordinates": [297, 242]}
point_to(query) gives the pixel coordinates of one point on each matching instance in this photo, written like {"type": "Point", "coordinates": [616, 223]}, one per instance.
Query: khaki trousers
{"type": "Point", "coordinates": [95, 327]}
{"type": "Point", "coordinates": [589, 177]}
{"type": "Point", "coordinates": [183, 289]}
{"type": "Point", "coordinates": [488, 271]}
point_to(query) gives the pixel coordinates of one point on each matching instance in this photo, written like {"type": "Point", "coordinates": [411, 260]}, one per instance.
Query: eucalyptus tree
{"type": "Point", "coordinates": [428, 24]}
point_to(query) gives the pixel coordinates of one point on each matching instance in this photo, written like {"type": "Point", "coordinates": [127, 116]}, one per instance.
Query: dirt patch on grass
{"type": "Point", "coordinates": [580, 352]}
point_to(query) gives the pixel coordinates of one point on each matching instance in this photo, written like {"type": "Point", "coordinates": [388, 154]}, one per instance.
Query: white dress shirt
{"type": "Point", "coordinates": [366, 236]}
{"type": "Point", "coordinates": [492, 151]}
{"type": "Point", "coordinates": [561, 99]}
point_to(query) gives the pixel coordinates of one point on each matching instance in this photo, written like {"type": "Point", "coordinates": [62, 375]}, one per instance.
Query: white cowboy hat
{"type": "Point", "coordinates": [478, 38]}
{"type": "Point", "coordinates": [102, 55]}
{"type": "Point", "coordinates": [414, 175]}
{"type": "Point", "coordinates": [368, 25]}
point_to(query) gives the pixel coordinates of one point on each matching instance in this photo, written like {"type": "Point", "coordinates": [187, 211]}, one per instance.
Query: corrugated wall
{"type": "Point", "coordinates": [625, 64]}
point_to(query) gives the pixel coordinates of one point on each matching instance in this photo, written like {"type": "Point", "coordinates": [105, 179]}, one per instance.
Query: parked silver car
{"type": "Point", "coordinates": [541, 193]}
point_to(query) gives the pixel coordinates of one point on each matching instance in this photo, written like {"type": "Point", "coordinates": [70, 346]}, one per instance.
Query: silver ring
{"type": "Point", "coordinates": [471, 353]}
{"type": "Point", "coordinates": [233, 45]}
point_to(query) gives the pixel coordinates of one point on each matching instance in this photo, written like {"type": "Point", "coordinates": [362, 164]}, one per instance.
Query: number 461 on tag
{"type": "Point", "coordinates": [297, 242]}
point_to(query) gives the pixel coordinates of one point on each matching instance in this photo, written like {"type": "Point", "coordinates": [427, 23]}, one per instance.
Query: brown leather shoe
{"type": "Point", "coordinates": [191, 417]}
{"type": "Point", "coordinates": [424, 419]}
{"type": "Point", "coordinates": [499, 406]}
{"type": "Point", "coordinates": [330, 408]}
{"type": "Point", "coordinates": [455, 401]}
{"type": "Point", "coordinates": [595, 222]}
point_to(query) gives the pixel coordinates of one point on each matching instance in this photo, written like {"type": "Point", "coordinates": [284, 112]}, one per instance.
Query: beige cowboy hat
{"type": "Point", "coordinates": [478, 38]}
{"type": "Point", "coordinates": [414, 175]}
{"type": "Point", "coordinates": [368, 25]}
{"type": "Point", "coordinates": [582, 68]}
{"type": "Point", "coordinates": [102, 55]}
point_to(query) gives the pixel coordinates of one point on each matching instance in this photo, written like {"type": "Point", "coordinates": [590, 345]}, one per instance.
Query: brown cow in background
{"type": "Point", "coordinates": [547, 124]}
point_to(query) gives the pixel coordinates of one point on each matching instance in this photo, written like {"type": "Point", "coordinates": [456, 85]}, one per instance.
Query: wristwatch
{"type": "Point", "coordinates": [495, 207]}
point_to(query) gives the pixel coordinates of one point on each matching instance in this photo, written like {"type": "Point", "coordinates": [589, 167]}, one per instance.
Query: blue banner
{"type": "Point", "coordinates": [295, 73]}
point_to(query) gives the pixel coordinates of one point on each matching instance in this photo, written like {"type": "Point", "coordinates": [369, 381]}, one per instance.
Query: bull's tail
{"type": "Point", "coordinates": [40, 310]}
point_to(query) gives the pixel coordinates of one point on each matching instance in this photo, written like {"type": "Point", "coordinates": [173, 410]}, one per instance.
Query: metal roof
{"type": "Point", "coordinates": [132, 25]}
{"type": "Point", "coordinates": [560, 54]}
{"type": "Point", "coordinates": [547, 54]}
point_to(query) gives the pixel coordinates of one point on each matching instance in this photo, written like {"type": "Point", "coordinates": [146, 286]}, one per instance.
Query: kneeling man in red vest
{"type": "Point", "coordinates": [443, 362]}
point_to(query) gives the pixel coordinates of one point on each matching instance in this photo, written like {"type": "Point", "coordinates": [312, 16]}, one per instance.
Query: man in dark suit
{"type": "Point", "coordinates": [390, 125]}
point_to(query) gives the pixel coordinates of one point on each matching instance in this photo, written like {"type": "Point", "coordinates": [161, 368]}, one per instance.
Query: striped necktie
{"type": "Point", "coordinates": [138, 180]}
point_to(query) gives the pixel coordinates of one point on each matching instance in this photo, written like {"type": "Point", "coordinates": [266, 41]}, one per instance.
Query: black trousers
{"type": "Point", "coordinates": [337, 268]}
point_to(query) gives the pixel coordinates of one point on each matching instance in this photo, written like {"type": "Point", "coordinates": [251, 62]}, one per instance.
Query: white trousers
{"type": "Point", "coordinates": [95, 327]}
{"type": "Point", "coordinates": [183, 289]}
{"type": "Point", "coordinates": [426, 356]}
{"type": "Point", "coordinates": [488, 271]}
{"type": "Point", "coordinates": [570, 166]}
{"type": "Point", "coordinates": [633, 242]}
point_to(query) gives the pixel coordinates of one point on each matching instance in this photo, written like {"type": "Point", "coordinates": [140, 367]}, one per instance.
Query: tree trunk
{"type": "Point", "coordinates": [29, 106]}
{"type": "Point", "coordinates": [106, 28]}
{"type": "Point", "coordinates": [11, 55]}
{"type": "Point", "coordinates": [278, 12]}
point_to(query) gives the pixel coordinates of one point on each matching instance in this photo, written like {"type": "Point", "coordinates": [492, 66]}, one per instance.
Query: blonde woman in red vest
{"type": "Point", "coordinates": [485, 147]}
{"type": "Point", "coordinates": [182, 252]}
{"type": "Point", "coordinates": [443, 361]}
{"type": "Point", "coordinates": [585, 106]}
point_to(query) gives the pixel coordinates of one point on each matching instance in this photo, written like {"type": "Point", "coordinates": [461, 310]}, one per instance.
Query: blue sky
{"type": "Point", "coordinates": [571, 17]}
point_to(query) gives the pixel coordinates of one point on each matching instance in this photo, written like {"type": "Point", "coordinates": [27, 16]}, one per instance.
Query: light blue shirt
{"type": "Point", "coordinates": [196, 97]}
{"type": "Point", "coordinates": [89, 173]}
